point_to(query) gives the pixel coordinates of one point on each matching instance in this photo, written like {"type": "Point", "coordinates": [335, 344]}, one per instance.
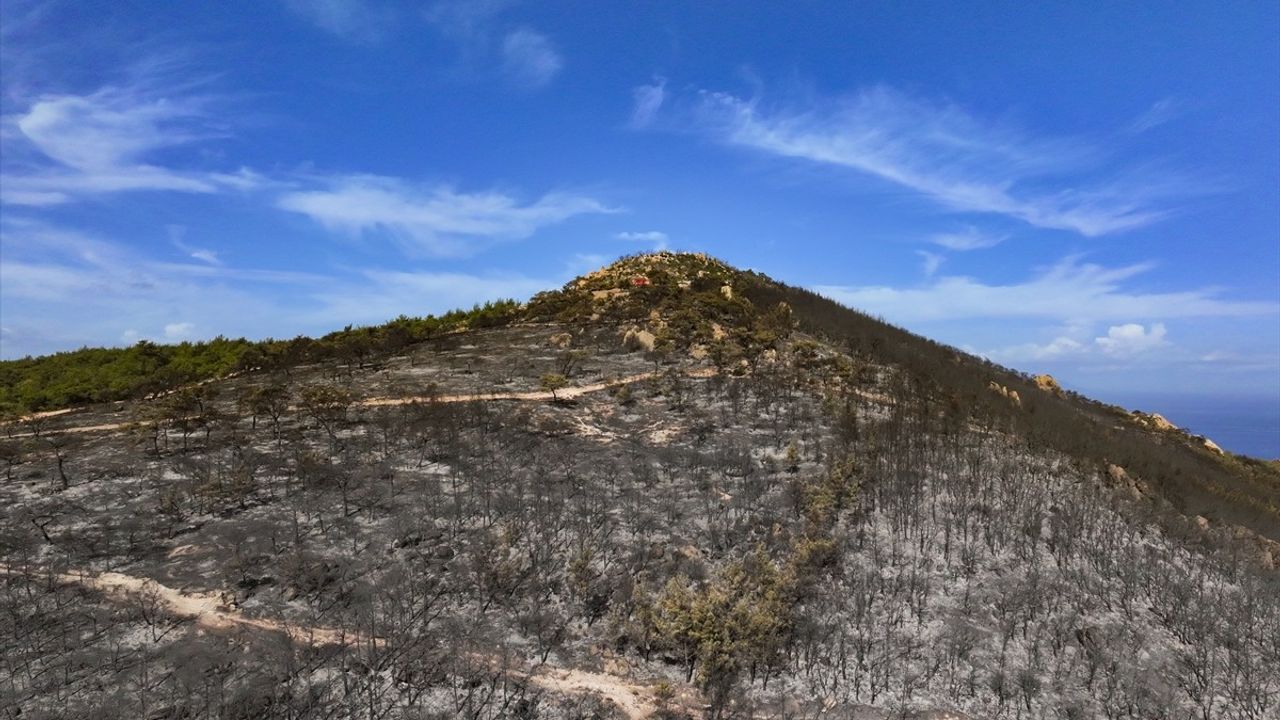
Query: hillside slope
{"type": "Point", "coordinates": [668, 489]}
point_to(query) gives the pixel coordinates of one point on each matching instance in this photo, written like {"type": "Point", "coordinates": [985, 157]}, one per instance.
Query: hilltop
{"type": "Point", "coordinates": [669, 488]}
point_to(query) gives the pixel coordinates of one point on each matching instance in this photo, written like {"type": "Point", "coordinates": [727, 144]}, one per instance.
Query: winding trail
{"type": "Point", "coordinates": [567, 393]}
{"type": "Point", "coordinates": [206, 609]}
{"type": "Point", "coordinates": [636, 701]}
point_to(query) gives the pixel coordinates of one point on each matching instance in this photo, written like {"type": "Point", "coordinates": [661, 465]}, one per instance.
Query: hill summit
{"type": "Point", "coordinates": [668, 489]}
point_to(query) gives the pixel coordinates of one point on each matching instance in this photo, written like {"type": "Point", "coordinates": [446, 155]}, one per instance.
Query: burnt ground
{"type": "Point", "coordinates": [762, 540]}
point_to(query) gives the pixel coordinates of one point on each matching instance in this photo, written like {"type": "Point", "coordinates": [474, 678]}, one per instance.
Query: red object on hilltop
{"type": "Point", "coordinates": [639, 281]}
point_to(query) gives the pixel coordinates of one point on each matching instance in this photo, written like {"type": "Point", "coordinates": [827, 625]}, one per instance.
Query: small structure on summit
{"type": "Point", "coordinates": [640, 281]}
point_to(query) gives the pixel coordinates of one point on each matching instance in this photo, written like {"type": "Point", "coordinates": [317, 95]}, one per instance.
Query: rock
{"type": "Point", "coordinates": [1268, 554]}
{"type": "Point", "coordinates": [726, 291]}
{"type": "Point", "coordinates": [1212, 446]}
{"type": "Point", "coordinates": [638, 339]}
{"type": "Point", "coordinates": [1133, 489]}
{"type": "Point", "coordinates": [1155, 421]}
{"type": "Point", "coordinates": [560, 340]}
{"type": "Point", "coordinates": [1117, 474]}
{"type": "Point", "coordinates": [1202, 522]}
{"type": "Point", "coordinates": [1011, 394]}
{"type": "Point", "coordinates": [598, 295]}
{"type": "Point", "coordinates": [1048, 384]}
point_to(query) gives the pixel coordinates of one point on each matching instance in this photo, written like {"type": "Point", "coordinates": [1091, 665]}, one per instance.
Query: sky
{"type": "Point", "coordinates": [1082, 188]}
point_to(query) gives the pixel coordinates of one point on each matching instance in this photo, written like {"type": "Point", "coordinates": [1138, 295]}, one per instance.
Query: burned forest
{"type": "Point", "coordinates": [669, 489]}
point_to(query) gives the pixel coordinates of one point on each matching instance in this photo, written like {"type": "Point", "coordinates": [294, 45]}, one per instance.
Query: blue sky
{"type": "Point", "coordinates": [1088, 189]}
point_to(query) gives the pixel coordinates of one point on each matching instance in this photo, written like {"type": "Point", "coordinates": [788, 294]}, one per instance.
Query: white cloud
{"type": "Point", "coordinates": [1132, 339]}
{"type": "Point", "coordinates": [69, 146]}
{"type": "Point", "coordinates": [948, 156]}
{"type": "Point", "coordinates": [489, 48]}
{"type": "Point", "coordinates": [529, 58]}
{"type": "Point", "coordinates": [647, 100]}
{"type": "Point", "coordinates": [1158, 114]}
{"type": "Point", "coordinates": [465, 18]}
{"type": "Point", "coordinates": [204, 255]}
{"type": "Point", "coordinates": [658, 239]}
{"type": "Point", "coordinates": [932, 261]}
{"type": "Point", "coordinates": [1055, 349]}
{"type": "Point", "coordinates": [970, 238]}
{"type": "Point", "coordinates": [436, 219]}
{"type": "Point", "coordinates": [355, 20]}
{"type": "Point", "coordinates": [48, 272]}
{"type": "Point", "coordinates": [1121, 342]}
{"type": "Point", "coordinates": [1069, 291]}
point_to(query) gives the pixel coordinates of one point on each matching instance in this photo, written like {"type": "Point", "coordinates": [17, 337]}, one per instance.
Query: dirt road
{"type": "Point", "coordinates": [567, 393]}
{"type": "Point", "coordinates": [637, 701]}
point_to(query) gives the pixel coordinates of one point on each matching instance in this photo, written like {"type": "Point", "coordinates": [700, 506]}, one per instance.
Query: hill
{"type": "Point", "coordinates": [670, 488]}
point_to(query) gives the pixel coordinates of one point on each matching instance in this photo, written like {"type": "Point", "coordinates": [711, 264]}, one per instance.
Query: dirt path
{"type": "Point", "coordinates": [207, 609]}
{"type": "Point", "coordinates": [637, 701]}
{"type": "Point", "coordinates": [567, 393]}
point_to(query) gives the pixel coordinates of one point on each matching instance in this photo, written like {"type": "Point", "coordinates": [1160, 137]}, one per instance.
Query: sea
{"type": "Point", "coordinates": [1248, 425]}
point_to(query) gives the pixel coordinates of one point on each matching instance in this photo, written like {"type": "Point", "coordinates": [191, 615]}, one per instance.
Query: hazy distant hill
{"type": "Point", "coordinates": [670, 488]}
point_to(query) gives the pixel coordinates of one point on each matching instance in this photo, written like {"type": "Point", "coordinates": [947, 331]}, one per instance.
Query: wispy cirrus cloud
{"type": "Point", "coordinates": [647, 100]}
{"type": "Point", "coordinates": [49, 270]}
{"type": "Point", "coordinates": [354, 20]}
{"type": "Point", "coordinates": [530, 58]}
{"type": "Point", "coordinates": [947, 155]}
{"type": "Point", "coordinates": [489, 47]}
{"type": "Point", "coordinates": [437, 219]}
{"type": "Point", "coordinates": [931, 262]}
{"type": "Point", "coordinates": [1160, 112]}
{"type": "Point", "coordinates": [970, 238]}
{"type": "Point", "coordinates": [65, 147]}
{"type": "Point", "coordinates": [1068, 291]}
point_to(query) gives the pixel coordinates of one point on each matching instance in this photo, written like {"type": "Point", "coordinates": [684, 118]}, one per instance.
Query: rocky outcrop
{"type": "Point", "coordinates": [1006, 392]}
{"type": "Point", "coordinates": [1212, 446]}
{"type": "Point", "coordinates": [1129, 486]}
{"type": "Point", "coordinates": [560, 340]}
{"type": "Point", "coordinates": [1048, 384]}
{"type": "Point", "coordinates": [1117, 474]}
{"type": "Point", "coordinates": [1155, 421]}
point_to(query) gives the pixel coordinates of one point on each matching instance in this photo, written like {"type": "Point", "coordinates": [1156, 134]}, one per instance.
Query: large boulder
{"type": "Point", "coordinates": [638, 339]}
{"type": "Point", "coordinates": [1048, 384]}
